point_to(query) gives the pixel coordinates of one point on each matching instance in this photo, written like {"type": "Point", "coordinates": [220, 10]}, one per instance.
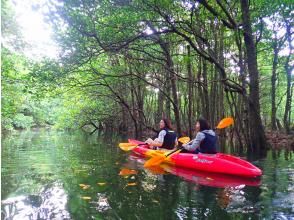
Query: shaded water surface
{"type": "Point", "coordinates": [57, 175]}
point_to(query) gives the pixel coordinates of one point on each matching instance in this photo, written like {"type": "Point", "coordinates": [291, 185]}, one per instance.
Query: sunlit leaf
{"type": "Point", "coordinates": [86, 197]}
{"type": "Point", "coordinates": [78, 171]}
{"type": "Point", "coordinates": [84, 186]}
{"type": "Point", "coordinates": [131, 184]}
{"type": "Point", "coordinates": [101, 184]}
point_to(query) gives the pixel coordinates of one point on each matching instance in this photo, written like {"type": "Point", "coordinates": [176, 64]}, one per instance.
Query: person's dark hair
{"type": "Point", "coordinates": [203, 124]}
{"type": "Point", "coordinates": [167, 124]}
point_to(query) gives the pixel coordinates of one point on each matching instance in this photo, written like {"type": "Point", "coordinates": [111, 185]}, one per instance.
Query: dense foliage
{"type": "Point", "coordinates": [126, 64]}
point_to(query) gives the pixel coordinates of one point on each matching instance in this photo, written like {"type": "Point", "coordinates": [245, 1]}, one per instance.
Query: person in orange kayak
{"type": "Point", "coordinates": [205, 140]}
{"type": "Point", "coordinates": [167, 137]}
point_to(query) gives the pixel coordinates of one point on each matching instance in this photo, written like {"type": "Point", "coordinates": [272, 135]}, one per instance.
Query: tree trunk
{"type": "Point", "coordinates": [199, 88]}
{"type": "Point", "coordinates": [205, 102]}
{"type": "Point", "coordinates": [167, 103]}
{"type": "Point", "coordinates": [244, 123]}
{"type": "Point", "coordinates": [214, 72]}
{"type": "Point", "coordinates": [274, 80]}
{"type": "Point", "coordinates": [140, 105]}
{"type": "Point", "coordinates": [160, 104]}
{"type": "Point", "coordinates": [221, 59]}
{"type": "Point", "coordinates": [257, 136]}
{"type": "Point", "coordinates": [289, 69]}
{"type": "Point", "coordinates": [171, 74]}
{"type": "Point", "coordinates": [190, 94]}
{"type": "Point", "coordinates": [134, 111]}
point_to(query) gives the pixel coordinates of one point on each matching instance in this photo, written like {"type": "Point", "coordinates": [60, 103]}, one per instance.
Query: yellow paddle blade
{"type": "Point", "coordinates": [127, 146]}
{"type": "Point", "coordinates": [155, 153]}
{"type": "Point", "coordinates": [226, 122]}
{"type": "Point", "coordinates": [184, 140]}
{"type": "Point", "coordinates": [154, 161]}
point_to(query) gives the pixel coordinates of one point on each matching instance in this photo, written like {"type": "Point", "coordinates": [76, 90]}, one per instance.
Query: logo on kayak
{"type": "Point", "coordinates": [199, 160]}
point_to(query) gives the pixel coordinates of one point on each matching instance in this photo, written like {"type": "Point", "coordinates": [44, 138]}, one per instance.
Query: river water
{"type": "Point", "coordinates": [62, 175]}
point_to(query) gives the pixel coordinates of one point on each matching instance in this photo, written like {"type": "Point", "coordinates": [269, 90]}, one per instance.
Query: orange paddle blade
{"type": "Point", "coordinates": [157, 170]}
{"type": "Point", "coordinates": [127, 146]}
{"type": "Point", "coordinates": [155, 153]}
{"type": "Point", "coordinates": [226, 122]}
{"type": "Point", "coordinates": [184, 140]}
{"type": "Point", "coordinates": [154, 161]}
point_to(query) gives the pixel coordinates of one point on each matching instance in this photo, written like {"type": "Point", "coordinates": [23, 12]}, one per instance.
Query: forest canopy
{"type": "Point", "coordinates": [123, 65]}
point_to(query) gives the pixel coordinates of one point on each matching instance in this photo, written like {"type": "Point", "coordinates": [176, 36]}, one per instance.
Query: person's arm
{"type": "Point", "coordinates": [195, 143]}
{"type": "Point", "coordinates": [158, 141]}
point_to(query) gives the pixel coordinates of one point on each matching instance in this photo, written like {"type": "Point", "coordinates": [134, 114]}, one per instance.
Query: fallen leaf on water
{"type": "Point", "coordinates": [86, 197]}
{"type": "Point", "coordinates": [84, 186]}
{"type": "Point", "coordinates": [125, 172]}
{"type": "Point", "coordinates": [131, 184]}
{"type": "Point", "coordinates": [101, 184]}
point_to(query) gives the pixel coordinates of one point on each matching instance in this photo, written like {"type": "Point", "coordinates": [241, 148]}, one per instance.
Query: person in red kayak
{"type": "Point", "coordinates": [205, 140]}
{"type": "Point", "coordinates": [167, 137]}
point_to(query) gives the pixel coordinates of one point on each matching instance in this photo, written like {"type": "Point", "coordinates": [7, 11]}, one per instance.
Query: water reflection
{"type": "Point", "coordinates": [233, 199]}
{"type": "Point", "coordinates": [102, 204]}
{"type": "Point", "coordinates": [50, 203]}
{"type": "Point", "coordinates": [52, 175]}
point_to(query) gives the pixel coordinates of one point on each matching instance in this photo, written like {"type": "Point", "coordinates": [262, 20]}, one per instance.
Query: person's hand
{"type": "Point", "coordinates": [149, 141]}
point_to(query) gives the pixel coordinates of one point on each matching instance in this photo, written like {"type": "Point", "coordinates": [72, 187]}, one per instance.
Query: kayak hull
{"type": "Point", "coordinates": [216, 163]}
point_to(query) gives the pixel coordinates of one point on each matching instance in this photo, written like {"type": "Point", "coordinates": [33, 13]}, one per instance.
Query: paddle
{"type": "Point", "coordinates": [155, 161]}
{"type": "Point", "coordinates": [158, 159]}
{"type": "Point", "coordinates": [127, 146]}
{"type": "Point", "coordinates": [225, 122]}
{"type": "Point", "coordinates": [131, 146]}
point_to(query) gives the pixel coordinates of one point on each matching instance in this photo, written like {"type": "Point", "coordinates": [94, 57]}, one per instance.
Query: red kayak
{"type": "Point", "coordinates": [216, 163]}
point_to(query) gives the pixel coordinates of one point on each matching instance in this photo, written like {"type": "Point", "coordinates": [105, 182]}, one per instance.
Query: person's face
{"type": "Point", "coordinates": [161, 124]}
{"type": "Point", "coordinates": [197, 126]}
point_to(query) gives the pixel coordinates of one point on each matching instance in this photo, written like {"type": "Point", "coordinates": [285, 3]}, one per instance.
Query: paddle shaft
{"type": "Point", "coordinates": [179, 149]}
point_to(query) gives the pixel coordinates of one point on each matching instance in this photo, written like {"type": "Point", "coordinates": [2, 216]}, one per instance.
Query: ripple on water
{"type": "Point", "coordinates": [50, 203]}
